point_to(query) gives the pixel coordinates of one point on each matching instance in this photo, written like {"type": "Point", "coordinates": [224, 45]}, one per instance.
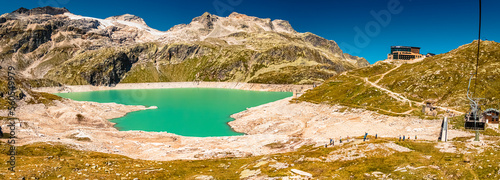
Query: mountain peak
{"type": "Point", "coordinates": [237, 15]}
{"type": "Point", "coordinates": [206, 19]}
{"type": "Point", "coordinates": [129, 18]}
{"type": "Point", "coordinates": [41, 10]}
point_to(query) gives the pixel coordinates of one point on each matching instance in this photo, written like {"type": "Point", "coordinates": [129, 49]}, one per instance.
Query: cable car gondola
{"type": "Point", "coordinates": [474, 119]}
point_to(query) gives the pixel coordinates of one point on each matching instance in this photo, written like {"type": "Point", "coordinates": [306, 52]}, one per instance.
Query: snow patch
{"type": "Point", "coordinates": [106, 23]}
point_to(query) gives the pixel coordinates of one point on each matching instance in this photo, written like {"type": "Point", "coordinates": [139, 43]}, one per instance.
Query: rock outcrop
{"type": "Point", "coordinates": [40, 10]}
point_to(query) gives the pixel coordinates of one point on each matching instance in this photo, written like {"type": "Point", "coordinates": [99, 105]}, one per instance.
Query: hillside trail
{"type": "Point", "coordinates": [397, 66]}
{"type": "Point", "coordinates": [400, 97]}
{"type": "Point", "coordinates": [383, 75]}
{"type": "Point", "coordinates": [397, 96]}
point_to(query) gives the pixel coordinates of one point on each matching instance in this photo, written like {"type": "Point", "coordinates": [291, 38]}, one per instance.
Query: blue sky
{"type": "Point", "coordinates": [435, 26]}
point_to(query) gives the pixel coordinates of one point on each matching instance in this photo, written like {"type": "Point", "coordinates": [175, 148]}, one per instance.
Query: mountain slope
{"type": "Point", "coordinates": [441, 79]}
{"type": "Point", "coordinates": [55, 44]}
{"type": "Point", "coordinates": [444, 78]}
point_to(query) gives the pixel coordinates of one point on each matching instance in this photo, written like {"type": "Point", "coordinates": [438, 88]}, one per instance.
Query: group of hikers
{"type": "Point", "coordinates": [365, 137]}
{"type": "Point", "coordinates": [406, 137]}
{"type": "Point", "coordinates": [332, 141]}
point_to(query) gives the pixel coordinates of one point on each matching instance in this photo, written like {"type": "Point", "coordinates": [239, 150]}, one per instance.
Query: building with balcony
{"type": "Point", "coordinates": [404, 53]}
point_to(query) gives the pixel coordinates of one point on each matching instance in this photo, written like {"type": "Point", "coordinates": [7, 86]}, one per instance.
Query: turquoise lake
{"type": "Point", "coordinates": [199, 112]}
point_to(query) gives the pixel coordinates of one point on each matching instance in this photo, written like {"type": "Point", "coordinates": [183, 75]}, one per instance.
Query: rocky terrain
{"type": "Point", "coordinates": [284, 140]}
{"type": "Point", "coordinates": [52, 43]}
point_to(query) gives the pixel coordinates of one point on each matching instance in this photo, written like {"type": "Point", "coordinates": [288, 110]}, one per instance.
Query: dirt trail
{"type": "Point", "coordinates": [398, 96]}
{"type": "Point", "coordinates": [383, 75]}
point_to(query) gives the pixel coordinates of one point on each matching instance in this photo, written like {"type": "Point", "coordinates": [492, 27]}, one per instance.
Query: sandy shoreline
{"type": "Point", "coordinates": [166, 85]}
{"type": "Point", "coordinates": [290, 124]}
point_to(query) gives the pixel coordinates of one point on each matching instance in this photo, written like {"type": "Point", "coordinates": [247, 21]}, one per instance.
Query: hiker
{"type": "Point", "coordinates": [326, 145]}
{"type": "Point", "coordinates": [340, 139]}
{"type": "Point", "coordinates": [366, 134]}
{"type": "Point", "coordinates": [403, 137]}
{"type": "Point", "coordinates": [347, 139]}
{"type": "Point", "coordinates": [400, 138]}
{"type": "Point", "coordinates": [330, 141]}
{"type": "Point", "coordinates": [415, 137]}
{"type": "Point", "coordinates": [376, 136]}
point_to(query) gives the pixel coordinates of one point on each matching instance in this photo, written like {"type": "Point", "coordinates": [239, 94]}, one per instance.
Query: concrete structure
{"type": "Point", "coordinates": [429, 110]}
{"type": "Point", "coordinates": [404, 53]}
{"type": "Point", "coordinates": [444, 130]}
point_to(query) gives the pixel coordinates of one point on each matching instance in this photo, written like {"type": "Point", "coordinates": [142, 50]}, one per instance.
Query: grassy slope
{"type": "Point", "coordinates": [354, 92]}
{"type": "Point", "coordinates": [46, 161]}
{"type": "Point", "coordinates": [442, 78]}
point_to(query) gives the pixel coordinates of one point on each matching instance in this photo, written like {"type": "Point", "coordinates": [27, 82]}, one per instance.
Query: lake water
{"type": "Point", "coordinates": [200, 112]}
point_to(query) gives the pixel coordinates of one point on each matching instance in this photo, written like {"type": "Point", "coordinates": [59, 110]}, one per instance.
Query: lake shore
{"type": "Point", "coordinates": [166, 85]}
{"type": "Point", "coordinates": [287, 124]}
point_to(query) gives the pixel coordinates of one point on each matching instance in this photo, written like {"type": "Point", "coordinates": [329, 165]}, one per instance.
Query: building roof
{"type": "Point", "coordinates": [491, 109]}
{"type": "Point", "coordinates": [405, 47]}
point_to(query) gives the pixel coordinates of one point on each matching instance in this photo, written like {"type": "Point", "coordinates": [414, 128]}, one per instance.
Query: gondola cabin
{"type": "Point", "coordinates": [474, 121]}
{"type": "Point", "coordinates": [491, 115]}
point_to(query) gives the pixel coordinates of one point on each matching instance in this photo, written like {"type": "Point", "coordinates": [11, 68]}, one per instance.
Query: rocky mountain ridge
{"type": "Point", "coordinates": [54, 44]}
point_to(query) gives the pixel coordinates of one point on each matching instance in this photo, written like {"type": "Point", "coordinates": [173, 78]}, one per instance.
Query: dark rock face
{"type": "Point", "coordinates": [84, 24]}
{"type": "Point", "coordinates": [21, 10]}
{"type": "Point", "coordinates": [181, 52]}
{"type": "Point", "coordinates": [29, 40]}
{"type": "Point", "coordinates": [207, 20]}
{"type": "Point", "coordinates": [288, 53]}
{"type": "Point", "coordinates": [317, 41]}
{"type": "Point", "coordinates": [110, 72]}
{"type": "Point", "coordinates": [41, 10]}
{"type": "Point", "coordinates": [361, 62]}
{"type": "Point", "coordinates": [33, 39]}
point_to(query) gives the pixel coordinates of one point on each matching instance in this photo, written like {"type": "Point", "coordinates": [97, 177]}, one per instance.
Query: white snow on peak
{"type": "Point", "coordinates": [104, 23]}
